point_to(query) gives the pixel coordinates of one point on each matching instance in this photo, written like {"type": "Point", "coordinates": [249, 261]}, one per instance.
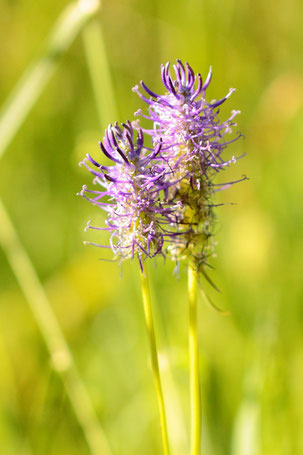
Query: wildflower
{"type": "Point", "coordinates": [129, 194]}
{"type": "Point", "coordinates": [193, 140]}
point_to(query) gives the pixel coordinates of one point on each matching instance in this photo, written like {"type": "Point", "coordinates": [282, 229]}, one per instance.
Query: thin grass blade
{"type": "Point", "coordinates": [28, 89]}
{"type": "Point", "coordinates": [58, 349]}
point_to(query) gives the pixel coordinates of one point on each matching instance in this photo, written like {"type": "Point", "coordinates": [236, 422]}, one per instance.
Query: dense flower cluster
{"type": "Point", "coordinates": [193, 140]}
{"type": "Point", "coordinates": [132, 186]}
{"type": "Point", "coordinates": [160, 199]}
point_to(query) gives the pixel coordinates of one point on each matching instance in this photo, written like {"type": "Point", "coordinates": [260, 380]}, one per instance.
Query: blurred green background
{"type": "Point", "coordinates": [251, 360]}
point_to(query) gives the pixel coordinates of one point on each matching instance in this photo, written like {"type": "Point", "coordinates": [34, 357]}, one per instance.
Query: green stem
{"type": "Point", "coordinates": [195, 398]}
{"type": "Point", "coordinates": [154, 358]}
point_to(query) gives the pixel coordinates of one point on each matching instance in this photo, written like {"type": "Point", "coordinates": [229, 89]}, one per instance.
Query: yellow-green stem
{"type": "Point", "coordinates": [154, 358]}
{"type": "Point", "coordinates": [195, 399]}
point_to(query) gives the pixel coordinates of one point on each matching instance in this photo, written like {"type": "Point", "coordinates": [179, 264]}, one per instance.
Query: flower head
{"type": "Point", "coordinates": [130, 193]}
{"type": "Point", "coordinates": [193, 140]}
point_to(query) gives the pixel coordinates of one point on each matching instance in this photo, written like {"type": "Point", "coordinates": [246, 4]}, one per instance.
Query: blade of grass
{"type": "Point", "coordinates": [99, 70]}
{"type": "Point", "coordinates": [59, 351]}
{"type": "Point", "coordinates": [34, 79]}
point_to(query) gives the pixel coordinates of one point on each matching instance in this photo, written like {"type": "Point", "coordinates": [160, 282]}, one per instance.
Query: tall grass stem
{"type": "Point", "coordinates": [154, 357]}
{"type": "Point", "coordinates": [58, 349]}
{"type": "Point", "coordinates": [30, 86]}
{"type": "Point", "coordinates": [100, 73]}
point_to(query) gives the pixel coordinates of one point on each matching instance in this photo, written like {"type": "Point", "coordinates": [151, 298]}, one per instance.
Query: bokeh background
{"type": "Point", "coordinates": [251, 359]}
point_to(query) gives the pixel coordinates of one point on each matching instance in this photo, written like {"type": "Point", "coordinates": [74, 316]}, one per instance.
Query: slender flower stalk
{"type": "Point", "coordinates": [154, 357]}
{"type": "Point", "coordinates": [195, 398]}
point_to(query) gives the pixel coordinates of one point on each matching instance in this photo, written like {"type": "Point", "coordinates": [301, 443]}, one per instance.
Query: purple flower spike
{"type": "Point", "coordinates": [132, 186]}
{"type": "Point", "coordinates": [192, 139]}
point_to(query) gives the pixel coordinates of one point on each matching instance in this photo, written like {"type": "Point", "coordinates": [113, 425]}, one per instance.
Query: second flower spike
{"type": "Point", "coordinates": [129, 193]}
